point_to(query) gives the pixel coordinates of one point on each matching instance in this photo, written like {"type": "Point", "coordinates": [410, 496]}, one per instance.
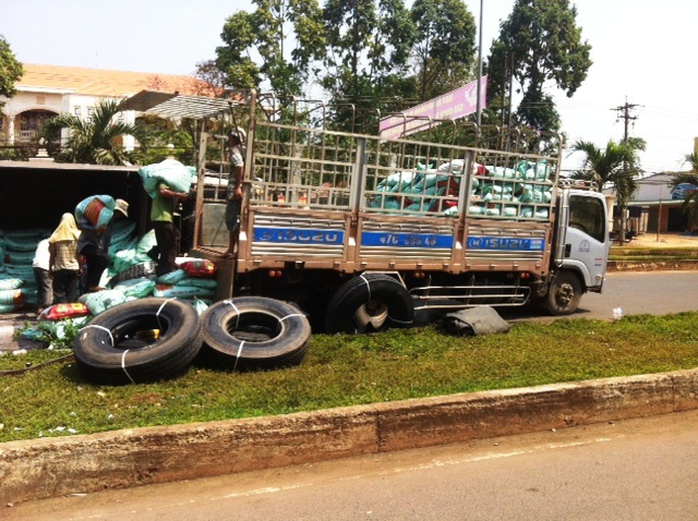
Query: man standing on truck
{"type": "Point", "coordinates": [167, 235]}
{"type": "Point", "coordinates": [233, 206]}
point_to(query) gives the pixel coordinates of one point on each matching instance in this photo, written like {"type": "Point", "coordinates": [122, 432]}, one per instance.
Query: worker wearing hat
{"type": "Point", "coordinates": [95, 216]}
{"type": "Point", "coordinates": [233, 208]}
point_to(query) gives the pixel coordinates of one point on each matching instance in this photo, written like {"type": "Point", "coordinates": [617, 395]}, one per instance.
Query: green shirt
{"type": "Point", "coordinates": [163, 207]}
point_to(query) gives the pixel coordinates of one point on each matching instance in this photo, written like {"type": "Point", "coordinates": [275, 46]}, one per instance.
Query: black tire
{"type": "Point", "coordinates": [564, 294]}
{"type": "Point", "coordinates": [111, 348]}
{"type": "Point", "coordinates": [367, 303]}
{"type": "Point", "coordinates": [246, 333]}
{"type": "Point", "coordinates": [144, 269]}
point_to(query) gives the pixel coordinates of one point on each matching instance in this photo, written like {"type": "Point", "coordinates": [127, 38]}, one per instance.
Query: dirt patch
{"type": "Point", "coordinates": [664, 240]}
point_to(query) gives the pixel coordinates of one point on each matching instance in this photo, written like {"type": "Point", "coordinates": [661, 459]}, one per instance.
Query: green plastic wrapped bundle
{"type": "Point", "coordinates": [169, 291]}
{"type": "Point", "coordinates": [174, 174]}
{"type": "Point", "coordinates": [526, 211]}
{"type": "Point", "coordinates": [11, 283]}
{"type": "Point", "coordinates": [102, 300]}
{"type": "Point", "coordinates": [138, 288]}
{"type": "Point", "coordinates": [198, 282]}
{"type": "Point", "coordinates": [172, 277]}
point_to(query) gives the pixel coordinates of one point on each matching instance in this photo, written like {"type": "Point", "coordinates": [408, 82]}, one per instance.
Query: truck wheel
{"type": "Point", "coordinates": [564, 294]}
{"type": "Point", "coordinates": [143, 340]}
{"type": "Point", "coordinates": [370, 302]}
{"type": "Point", "coordinates": [254, 333]}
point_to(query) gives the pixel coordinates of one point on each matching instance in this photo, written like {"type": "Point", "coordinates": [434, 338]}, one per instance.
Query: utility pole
{"type": "Point", "coordinates": [627, 118]}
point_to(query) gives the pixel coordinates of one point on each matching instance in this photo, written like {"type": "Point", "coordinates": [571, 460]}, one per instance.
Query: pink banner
{"type": "Point", "coordinates": [451, 106]}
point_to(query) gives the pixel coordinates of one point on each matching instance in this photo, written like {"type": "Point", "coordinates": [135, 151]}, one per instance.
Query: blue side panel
{"type": "Point", "coordinates": [298, 236]}
{"type": "Point", "coordinates": [505, 244]}
{"type": "Point", "coordinates": [407, 240]}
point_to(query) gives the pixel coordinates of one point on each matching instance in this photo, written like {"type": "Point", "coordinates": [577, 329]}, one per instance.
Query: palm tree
{"type": "Point", "coordinates": [93, 140]}
{"type": "Point", "coordinates": [617, 165]}
{"type": "Point", "coordinates": [690, 202]}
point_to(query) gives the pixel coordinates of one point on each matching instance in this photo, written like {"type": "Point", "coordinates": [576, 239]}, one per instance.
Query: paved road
{"type": "Point", "coordinates": [633, 470]}
{"type": "Point", "coordinates": [655, 292]}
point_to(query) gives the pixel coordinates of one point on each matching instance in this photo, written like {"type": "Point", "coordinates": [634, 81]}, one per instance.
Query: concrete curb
{"type": "Point", "coordinates": [656, 265]}
{"type": "Point", "coordinates": [50, 467]}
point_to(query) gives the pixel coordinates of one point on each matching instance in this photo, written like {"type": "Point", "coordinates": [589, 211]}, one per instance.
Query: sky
{"type": "Point", "coordinates": [642, 54]}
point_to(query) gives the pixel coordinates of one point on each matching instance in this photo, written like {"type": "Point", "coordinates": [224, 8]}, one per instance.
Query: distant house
{"type": "Point", "coordinates": [656, 206]}
{"type": "Point", "coordinates": [48, 90]}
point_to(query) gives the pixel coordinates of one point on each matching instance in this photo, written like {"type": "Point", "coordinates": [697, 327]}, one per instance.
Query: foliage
{"type": "Point", "coordinates": [57, 334]}
{"type": "Point", "coordinates": [94, 140]}
{"type": "Point", "coordinates": [445, 46]}
{"type": "Point", "coordinates": [11, 70]}
{"type": "Point", "coordinates": [368, 48]}
{"type": "Point", "coordinates": [267, 31]}
{"type": "Point", "coordinates": [690, 202]}
{"type": "Point", "coordinates": [538, 44]}
{"type": "Point", "coordinates": [211, 75]}
{"type": "Point", "coordinates": [342, 370]}
{"type": "Point", "coordinates": [617, 165]}
{"type": "Point", "coordinates": [162, 132]}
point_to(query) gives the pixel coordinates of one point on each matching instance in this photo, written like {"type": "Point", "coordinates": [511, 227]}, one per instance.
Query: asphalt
{"type": "Point", "coordinates": [51, 467]}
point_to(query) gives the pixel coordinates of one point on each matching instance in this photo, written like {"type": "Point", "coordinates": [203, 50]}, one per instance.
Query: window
{"type": "Point", "coordinates": [77, 111]}
{"type": "Point", "coordinates": [587, 215]}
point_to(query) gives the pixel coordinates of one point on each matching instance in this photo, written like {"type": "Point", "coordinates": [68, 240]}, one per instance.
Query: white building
{"type": "Point", "coordinates": [45, 91]}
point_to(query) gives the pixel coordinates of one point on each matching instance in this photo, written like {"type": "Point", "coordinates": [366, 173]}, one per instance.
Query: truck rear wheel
{"type": "Point", "coordinates": [564, 294]}
{"type": "Point", "coordinates": [370, 302]}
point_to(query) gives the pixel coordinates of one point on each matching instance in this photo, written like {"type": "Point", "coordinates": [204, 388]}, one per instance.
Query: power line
{"type": "Point", "coordinates": [627, 118]}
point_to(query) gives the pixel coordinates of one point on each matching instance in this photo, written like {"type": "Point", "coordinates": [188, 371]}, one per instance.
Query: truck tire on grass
{"type": "Point", "coordinates": [139, 341]}
{"type": "Point", "coordinates": [370, 302]}
{"type": "Point", "coordinates": [564, 294]}
{"type": "Point", "coordinates": [254, 333]}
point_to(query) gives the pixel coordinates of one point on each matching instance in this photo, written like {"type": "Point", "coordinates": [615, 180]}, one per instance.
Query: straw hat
{"type": "Point", "coordinates": [121, 206]}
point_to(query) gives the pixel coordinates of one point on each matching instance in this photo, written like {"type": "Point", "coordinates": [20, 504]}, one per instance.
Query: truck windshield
{"type": "Point", "coordinates": [587, 215]}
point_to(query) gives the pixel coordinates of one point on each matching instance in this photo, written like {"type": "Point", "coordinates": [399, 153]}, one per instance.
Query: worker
{"type": "Point", "coordinates": [233, 207]}
{"type": "Point", "coordinates": [63, 260]}
{"type": "Point", "coordinates": [94, 216]}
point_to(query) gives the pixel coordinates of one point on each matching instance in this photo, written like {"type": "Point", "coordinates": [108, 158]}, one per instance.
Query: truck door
{"type": "Point", "coordinates": [586, 236]}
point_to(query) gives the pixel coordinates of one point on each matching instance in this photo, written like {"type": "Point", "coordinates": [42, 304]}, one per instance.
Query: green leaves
{"type": "Point", "coordinates": [539, 43]}
{"type": "Point", "coordinates": [617, 164]}
{"type": "Point", "coordinates": [11, 70]}
{"type": "Point", "coordinates": [94, 140]}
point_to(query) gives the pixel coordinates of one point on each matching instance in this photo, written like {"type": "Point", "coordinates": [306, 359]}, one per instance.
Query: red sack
{"type": "Point", "coordinates": [61, 311]}
{"type": "Point", "coordinates": [199, 268]}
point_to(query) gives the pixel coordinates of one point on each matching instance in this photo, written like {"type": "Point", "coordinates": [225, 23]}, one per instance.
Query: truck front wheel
{"type": "Point", "coordinates": [564, 294]}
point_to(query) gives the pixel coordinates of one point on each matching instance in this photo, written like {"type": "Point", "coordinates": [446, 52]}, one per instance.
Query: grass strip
{"type": "Point", "coordinates": [342, 370]}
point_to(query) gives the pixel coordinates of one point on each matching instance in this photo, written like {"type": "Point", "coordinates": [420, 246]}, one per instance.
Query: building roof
{"type": "Point", "coordinates": [654, 189]}
{"type": "Point", "coordinates": [102, 82]}
{"type": "Point", "coordinates": [177, 105]}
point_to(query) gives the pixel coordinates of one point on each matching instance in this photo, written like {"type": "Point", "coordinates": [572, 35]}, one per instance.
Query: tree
{"type": "Point", "coordinates": [94, 140]}
{"type": "Point", "coordinates": [445, 46]}
{"type": "Point", "coordinates": [538, 44]}
{"type": "Point", "coordinates": [617, 165]}
{"type": "Point", "coordinates": [213, 79]}
{"type": "Point", "coordinates": [689, 207]}
{"type": "Point", "coordinates": [267, 32]}
{"type": "Point", "coordinates": [11, 70]}
{"type": "Point", "coordinates": [368, 49]}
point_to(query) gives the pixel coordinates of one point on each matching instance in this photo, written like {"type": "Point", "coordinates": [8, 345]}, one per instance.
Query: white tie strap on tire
{"type": "Point", "coordinates": [254, 333]}
{"type": "Point", "coordinates": [112, 349]}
